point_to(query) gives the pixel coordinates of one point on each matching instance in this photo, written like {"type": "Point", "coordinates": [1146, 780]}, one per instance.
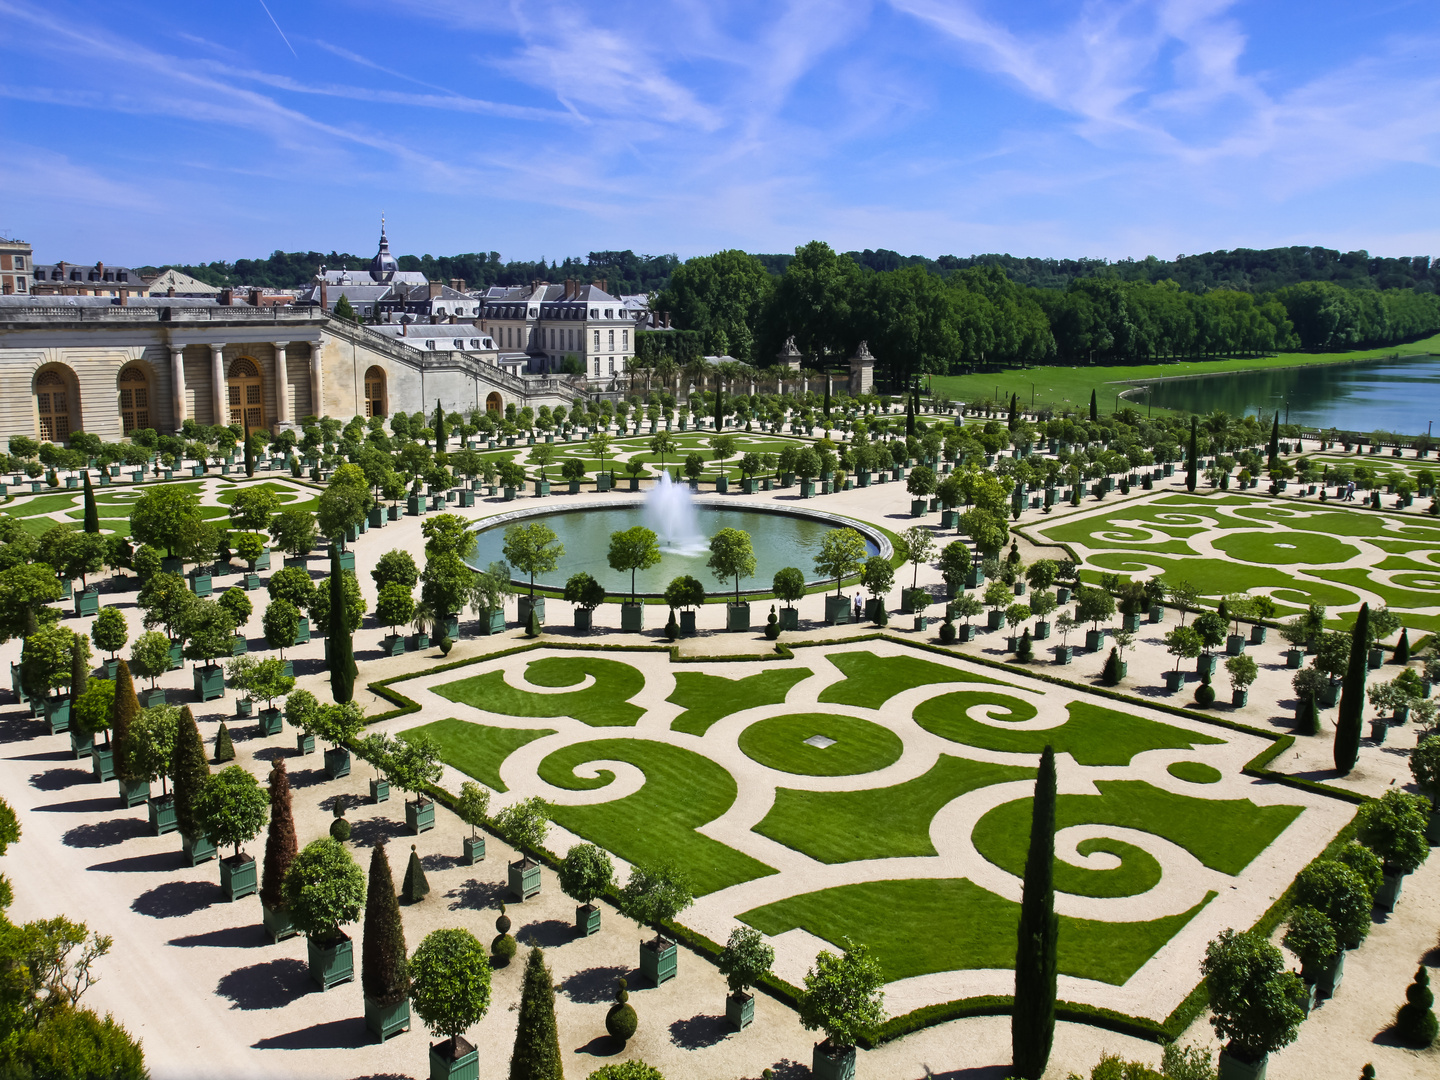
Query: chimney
{"type": "Point", "coordinates": [534, 285]}
{"type": "Point", "coordinates": [454, 318]}
{"type": "Point", "coordinates": [667, 320]}
{"type": "Point", "coordinates": [324, 295]}
{"type": "Point", "coordinates": [124, 297]}
{"type": "Point", "coordinates": [170, 291]}
{"type": "Point", "coordinates": [435, 287]}
{"type": "Point", "coordinates": [403, 327]}
{"type": "Point", "coordinates": [458, 284]}
{"type": "Point", "coordinates": [254, 297]}
{"type": "Point", "coordinates": [600, 284]}
{"type": "Point", "coordinates": [227, 297]}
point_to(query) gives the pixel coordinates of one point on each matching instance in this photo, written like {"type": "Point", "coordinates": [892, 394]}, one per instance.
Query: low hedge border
{"type": "Point", "coordinates": [1168, 1030]}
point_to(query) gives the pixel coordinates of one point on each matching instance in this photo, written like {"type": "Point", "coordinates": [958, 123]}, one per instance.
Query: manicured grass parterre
{"type": "Point", "coordinates": [604, 703]}
{"type": "Point", "coordinates": [682, 791]}
{"type": "Point", "coordinates": [708, 698]}
{"type": "Point", "coordinates": [872, 680]}
{"type": "Point", "coordinates": [1195, 772]}
{"type": "Point", "coordinates": [858, 746]}
{"type": "Point", "coordinates": [922, 926]}
{"type": "Point", "coordinates": [478, 750]}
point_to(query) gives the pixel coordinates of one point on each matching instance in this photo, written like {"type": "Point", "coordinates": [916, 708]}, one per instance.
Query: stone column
{"type": "Point", "coordinates": [316, 408]}
{"type": "Point", "coordinates": [217, 382]}
{"type": "Point", "coordinates": [282, 384]}
{"type": "Point", "coordinates": [177, 384]}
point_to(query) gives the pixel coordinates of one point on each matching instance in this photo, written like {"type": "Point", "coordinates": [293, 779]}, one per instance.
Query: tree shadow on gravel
{"type": "Point", "coordinates": [440, 862]}
{"type": "Point", "coordinates": [979, 1072]}
{"type": "Point", "coordinates": [347, 1034]}
{"type": "Point", "coordinates": [601, 1046]}
{"type": "Point", "coordinates": [304, 778]}
{"type": "Point", "coordinates": [106, 833]}
{"type": "Point", "coordinates": [79, 806]}
{"type": "Point", "coordinates": [232, 937]}
{"type": "Point", "coordinates": [475, 895]}
{"type": "Point", "coordinates": [547, 934]}
{"type": "Point", "coordinates": [593, 985]}
{"type": "Point", "coordinates": [44, 755]}
{"type": "Point", "coordinates": [175, 898]}
{"type": "Point", "coordinates": [698, 1032]}
{"type": "Point", "coordinates": [271, 985]}
{"type": "Point", "coordinates": [786, 1069]}
{"type": "Point", "coordinates": [154, 863]}
{"type": "Point", "coordinates": [367, 832]}
{"type": "Point", "coordinates": [60, 779]}
{"type": "Point", "coordinates": [270, 753]}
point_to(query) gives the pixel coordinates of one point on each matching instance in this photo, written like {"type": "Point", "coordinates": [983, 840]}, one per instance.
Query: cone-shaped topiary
{"type": "Point", "coordinates": [1310, 718]}
{"type": "Point", "coordinates": [532, 627]}
{"type": "Point", "coordinates": [416, 888]}
{"type": "Point", "coordinates": [537, 1043]}
{"type": "Point", "coordinates": [1110, 676]}
{"type": "Point", "coordinates": [92, 512]}
{"type": "Point", "coordinates": [1192, 463]}
{"type": "Point", "coordinates": [1032, 1024]}
{"type": "Point", "coordinates": [1368, 1072]}
{"type": "Point", "coordinates": [384, 967]}
{"type": "Point", "coordinates": [123, 711]}
{"type": "Point", "coordinates": [503, 947]}
{"type": "Point", "coordinates": [224, 748]}
{"type": "Point", "coordinates": [79, 666]}
{"type": "Point", "coordinates": [621, 1020]}
{"type": "Point", "coordinates": [1025, 650]}
{"type": "Point", "coordinates": [1402, 648]}
{"type": "Point", "coordinates": [1352, 696]}
{"type": "Point", "coordinates": [191, 772]}
{"type": "Point", "coordinates": [1415, 1021]}
{"type": "Point", "coordinates": [672, 628]}
{"type": "Point", "coordinates": [280, 844]}
{"type": "Point", "coordinates": [342, 646]}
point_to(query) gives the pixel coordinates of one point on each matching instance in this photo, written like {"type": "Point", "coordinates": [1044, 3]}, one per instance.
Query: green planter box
{"type": "Point", "coordinates": [456, 1060]}
{"type": "Point", "coordinates": [419, 640]}
{"type": "Point", "coordinates": [304, 743]}
{"type": "Point", "coordinates": [420, 817]}
{"type": "Point", "coordinates": [722, 485]}
{"type": "Point", "coordinates": [994, 620]}
{"type": "Point", "coordinates": [1232, 1068]}
{"type": "Point", "coordinates": [202, 584]}
{"type": "Point", "coordinates": [270, 722]}
{"type": "Point", "coordinates": [1294, 658]}
{"type": "Point", "coordinates": [337, 762]}
{"type": "Point", "coordinates": [1094, 640]}
{"type": "Point", "coordinates": [82, 743]}
{"type": "Point", "coordinates": [524, 878]}
{"type": "Point", "coordinates": [393, 645]}
{"type": "Point", "coordinates": [740, 1010]}
{"type": "Point", "coordinates": [151, 698]}
{"type": "Point", "coordinates": [1064, 654]}
{"type": "Point", "coordinates": [965, 632]}
{"type": "Point", "coordinates": [1130, 622]}
{"type": "Point", "coordinates": [209, 682]}
{"type": "Point", "coordinates": [1257, 634]}
{"type": "Point", "coordinates": [474, 850]}
{"type": "Point", "coordinates": [278, 924]}
{"type": "Point", "coordinates": [162, 815]}
{"type": "Point", "coordinates": [347, 561]}
{"type": "Point", "coordinates": [383, 1021]}
{"type": "Point", "coordinates": [825, 1065]}
{"type": "Point", "coordinates": [244, 707]}
{"type": "Point", "coordinates": [87, 603]}
{"type": "Point", "coordinates": [176, 660]}
{"type": "Point", "coordinates": [1205, 665]}
{"type": "Point", "coordinates": [584, 619]}
{"type": "Point", "coordinates": [913, 601]}
{"type": "Point", "coordinates": [333, 964]}
{"type": "Point", "coordinates": [918, 508]}
{"type": "Point", "coordinates": [57, 714]}
{"type": "Point", "coordinates": [687, 624]}
{"type": "Point", "coordinates": [788, 618]}
{"type": "Point", "coordinates": [737, 618]}
{"type": "Point", "coordinates": [528, 602]}
{"type": "Point", "coordinates": [807, 489]}
{"type": "Point", "coordinates": [238, 876]}
{"type": "Point", "coordinates": [632, 618]}
{"type": "Point", "coordinates": [377, 517]}
{"type": "Point", "coordinates": [102, 763]}
{"type": "Point", "coordinates": [837, 610]}
{"type": "Point", "coordinates": [196, 851]}
{"type": "Point", "coordinates": [1388, 895]}
{"type": "Point", "coordinates": [302, 631]}
{"type": "Point", "coordinates": [452, 627]}
{"type": "Point", "coordinates": [379, 791]}
{"type": "Point", "coordinates": [587, 920]}
{"type": "Point", "coordinates": [492, 621]}
{"type": "Point", "coordinates": [133, 794]}
{"type": "Point", "coordinates": [659, 960]}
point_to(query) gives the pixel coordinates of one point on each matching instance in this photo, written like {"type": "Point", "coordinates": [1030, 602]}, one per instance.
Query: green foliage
{"type": "Point", "coordinates": [585, 873]}
{"type": "Point", "coordinates": [74, 1044]}
{"type": "Point", "coordinates": [110, 631]}
{"type": "Point", "coordinates": [473, 805]}
{"type": "Point", "coordinates": [416, 886]}
{"type": "Point", "coordinates": [1425, 767]}
{"type": "Point", "coordinates": [168, 516]}
{"type": "Point", "coordinates": [91, 711]}
{"type": "Point", "coordinates": [524, 824]}
{"type": "Point", "coordinates": [843, 995]}
{"type": "Point", "coordinates": [685, 592]}
{"type": "Point", "coordinates": [1393, 826]}
{"type": "Point", "coordinates": [878, 576]}
{"type": "Point", "coordinates": [584, 591]}
{"type": "Point", "coordinates": [655, 894]}
{"type": "Point", "coordinates": [626, 1070]}
{"type": "Point", "coordinates": [155, 732]}
{"type": "Point", "coordinates": [124, 708]}
{"type": "Point", "coordinates": [324, 890]}
{"type": "Point", "coordinates": [1310, 935]}
{"type": "Point", "coordinates": [842, 553]}
{"type": "Point", "coordinates": [536, 1055]}
{"type": "Point", "coordinates": [224, 747]}
{"type": "Point", "coordinates": [1110, 676]}
{"type": "Point", "coordinates": [731, 556]}
{"type": "Point", "coordinates": [231, 808]}
{"type": "Point", "coordinates": [789, 584]}
{"type": "Point", "coordinates": [532, 549]}
{"type": "Point", "coordinates": [450, 987]}
{"type": "Point", "coordinates": [1032, 1025]}
{"type": "Point", "coordinates": [280, 844]}
{"type": "Point", "coordinates": [1340, 893]}
{"type": "Point", "coordinates": [1415, 1022]}
{"type": "Point", "coordinates": [1352, 697]}
{"type": "Point", "coordinates": [621, 1020]}
{"type": "Point", "coordinates": [1255, 1002]}
{"type": "Point", "coordinates": [1365, 863]}
{"type": "Point", "coordinates": [746, 959]}
{"type": "Point", "coordinates": [415, 764]}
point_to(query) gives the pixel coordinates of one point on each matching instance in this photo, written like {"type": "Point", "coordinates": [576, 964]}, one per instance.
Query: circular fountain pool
{"type": "Point", "coordinates": [780, 538]}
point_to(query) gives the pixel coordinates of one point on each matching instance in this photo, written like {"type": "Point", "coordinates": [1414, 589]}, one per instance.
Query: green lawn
{"type": "Point", "coordinates": [605, 703]}
{"type": "Point", "coordinates": [477, 750]}
{"type": "Point", "coordinates": [1093, 735]}
{"type": "Point", "coordinates": [872, 680]}
{"type": "Point", "coordinates": [1195, 772]}
{"type": "Point", "coordinates": [708, 698]}
{"type": "Point", "coordinates": [682, 791]}
{"type": "Point", "coordinates": [1224, 834]}
{"type": "Point", "coordinates": [922, 926]}
{"type": "Point", "coordinates": [860, 746]}
{"type": "Point", "coordinates": [1283, 548]}
{"type": "Point", "coordinates": [881, 823]}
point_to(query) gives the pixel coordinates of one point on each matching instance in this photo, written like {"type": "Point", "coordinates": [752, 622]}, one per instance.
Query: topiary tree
{"type": "Point", "coordinates": [280, 844]}
{"type": "Point", "coordinates": [654, 895]}
{"type": "Point", "coordinates": [536, 1055]}
{"type": "Point", "coordinates": [1415, 1022]}
{"type": "Point", "coordinates": [621, 1020]}
{"type": "Point", "coordinates": [1393, 827]}
{"type": "Point", "coordinates": [746, 959]}
{"type": "Point", "coordinates": [415, 764]}
{"type": "Point", "coordinates": [1352, 696]}
{"type": "Point", "coordinates": [503, 945]}
{"type": "Point", "coordinates": [110, 631]}
{"type": "Point", "coordinates": [324, 890]}
{"type": "Point", "coordinates": [585, 873]}
{"type": "Point", "coordinates": [124, 708]}
{"type": "Point", "coordinates": [842, 553]}
{"type": "Point", "coordinates": [878, 576]}
{"type": "Point", "coordinates": [450, 987]}
{"type": "Point", "coordinates": [524, 825]}
{"type": "Point", "coordinates": [416, 886]}
{"type": "Point", "coordinates": [584, 591]}
{"type": "Point", "coordinates": [684, 591]}
{"type": "Point", "coordinates": [789, 585]}
{"type": "Point", "coordinates": [1310, 935]}
{"type": "Point", "coordinates": [1425, 767]}
{"type": "Point", "coordinates": [533, 549]}
{"type": "Point", "coordinates": [155, 732]}
{"type": "Point", "coordinates": [231, 808]}
{"type": "Point", "coordinates": [843, 997]}
{"type": "Point", "coordinates": [224, 748]}
{"type": "Point", "coordinates": [281, 622]}
{"type": "Point", "coordinates": [473, 806]}
{"type": "Point", "coordinates": [1255, 1002]}
{"type": "Point", "coordinates": [1341, 894]}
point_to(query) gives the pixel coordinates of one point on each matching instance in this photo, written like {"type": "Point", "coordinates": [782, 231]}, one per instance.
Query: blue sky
{"type": "Point", "coordinates": [161, 133]}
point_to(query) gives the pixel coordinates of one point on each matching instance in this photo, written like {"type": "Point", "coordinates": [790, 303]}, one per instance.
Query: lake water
{"type": "Point", "coordinates": [1380, 395]}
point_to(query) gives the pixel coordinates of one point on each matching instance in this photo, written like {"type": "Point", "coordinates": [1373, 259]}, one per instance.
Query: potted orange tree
{"type": "Point", "coordinates": [744, 962]}
{"type": "Point", "coordinates": [450, 991]}
{"type": "Point", "coordinates": [653, 896]}
{"type": "Point", "coordinates": [524, 825]}
{"type": "Point", "coordinates": [231, 809]}
{"type": "Point", "coordinates": [585, 873]}
{"type": "Point", "coordinates": [415, 763]}
{"type": "Point", "coordinates": [325, 890]}
{"type": "Point", "coordinates": [842, 997]}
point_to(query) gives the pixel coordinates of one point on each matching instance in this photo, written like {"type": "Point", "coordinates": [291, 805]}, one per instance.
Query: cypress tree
{"type": "Point", "coordinates": [532, 627]}
{"type": "Point", "coordinates": [416, 888]}
{"type": "Point", "coordinates": [342, 646]}
{"type": "Point", "coordinates": [249, 454]}
{"type": "Point", "coordinates": [280, 843]}
{"type": "Point", "coordinates": [1275, 439]}
{"type": "Point", "coordinates": [383, 966]}
{"type": "Point", "coordinates": [1032, 1025]}
{"type": "Point", "coordinates": [537, 1043]}
{"type": "Point", "coordinates": [909, 417]}
{"type": "Point", "coordinates": [224, 748]}
{"type": "Point", "coordinates": [1402, 648]}
{"type": "Point", "coordinates": [1352, 696]}
{"type": "Point", "coordinates": [80, 666]}
{"type": "Point", "coordinates": [719, 406]}
{"type": "Point", "coordinates": [1094, 408]}
{"type": "Point", "coordinates": [827, 397]}
{"type": "Point", "coordinates": [1111, 674]}
{"type": "Point", "coordinates": [123, 711]}
{"type": "Point", "coordinates": [92, 513]}
{"type": "Point", "coordinates": [191, 772]}
{"type": "Point", "coordinates": [1014, 411]}
{"type": "Point", "coordinates": [1192, 464]}
{"type": "Point", "coordinates": [442, 437]}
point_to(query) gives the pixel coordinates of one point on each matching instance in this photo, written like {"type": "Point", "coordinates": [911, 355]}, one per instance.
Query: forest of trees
{"type": "Point", "coordinates": [919, 321]}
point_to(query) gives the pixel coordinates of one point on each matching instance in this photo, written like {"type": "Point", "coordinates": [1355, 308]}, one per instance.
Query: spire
{"type": "Point", "coordinates": [383, 266]}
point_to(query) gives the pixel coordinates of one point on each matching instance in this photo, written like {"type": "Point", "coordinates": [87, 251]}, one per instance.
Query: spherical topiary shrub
{"type": "Point", "coordinates": [621, 1020]}
{"type": "Point", "coordinates": [503, 947]}
{"type": "Point", "coordinates": [772, 625]}
{"type": "Point", "coordinates": [947, 632]}
{"type": "Point", "coordinates": [446, 644]}
{"type": "Point", "coordinates": [1416, 1020]}
{"type": "Point", "coordinates": [627, 1070]}
{"type": "Point", "coordinates": [340, 829]}
{"type": "Point", "coordinates": [1205, 695]}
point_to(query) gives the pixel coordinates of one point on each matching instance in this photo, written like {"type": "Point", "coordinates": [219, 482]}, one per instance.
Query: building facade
{"type": "Point", "coordinates": [16, 267]}
{"type": "Point", "coordinates": [548, 323]}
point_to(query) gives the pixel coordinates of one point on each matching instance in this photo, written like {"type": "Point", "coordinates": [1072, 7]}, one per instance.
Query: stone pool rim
{"type": "Point", "coordinates": [510, 517]}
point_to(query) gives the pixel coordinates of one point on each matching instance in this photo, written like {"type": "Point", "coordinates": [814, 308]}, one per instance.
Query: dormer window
{"type": "Point", "coordinates": [459, 343]}
{"type": "Point", "coordinates": [609, 313]}
{"type": "Point", "coordinates": [430, 344]}
{"type": "Point", "coordinates": [594, 313]}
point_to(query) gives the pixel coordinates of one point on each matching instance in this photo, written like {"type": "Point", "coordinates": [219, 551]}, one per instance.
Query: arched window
{"type": "Point", "coordinates": [375, 393]}
{"type": "Point", "coordinates": [492, 403]}
{"type": "Point", "coordinates": [52, 396]}
{"type": "Point", "coordinates": [247, 404]}
{"type": "Point", "coordinates": [134, 400]}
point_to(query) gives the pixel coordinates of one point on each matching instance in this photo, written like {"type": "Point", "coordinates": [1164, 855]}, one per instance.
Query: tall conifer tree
{"type": "Point", "coordinates": [442, 436]}
{"type": "Point", "coordinates": [383, 965]}
{"type": "Point", "coordinates": [537, 1043]}
{"type": "Point", "coordinates": [123, 710]}
{"type": "Point", "coordinates": [1352, 695]}
{"type": "Point", "coordinates": [1275, 439]}
{"type": "Point", "coordinates": [191, 771]}
{"type": "Point", "coordinates": [342, 645]}
{"type": "Point", "coordinates": [1094, 408]}
{"type": "Point", "coordinates": [92, 513]}
{"type": "Point", "coordinates": [1032, 1025]}
{"type": "Point", "coordinates": [1192, 465]}
{"type": "Point", "coordinates": [280, 844]}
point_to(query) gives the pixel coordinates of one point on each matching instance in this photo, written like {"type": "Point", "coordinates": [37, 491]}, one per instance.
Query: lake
{"type": "Point", "coordinates": [1401, 395]}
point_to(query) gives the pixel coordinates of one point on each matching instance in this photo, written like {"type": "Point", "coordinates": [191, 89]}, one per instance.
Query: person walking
{"type": "Point", "coordinates": [858, 608]}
